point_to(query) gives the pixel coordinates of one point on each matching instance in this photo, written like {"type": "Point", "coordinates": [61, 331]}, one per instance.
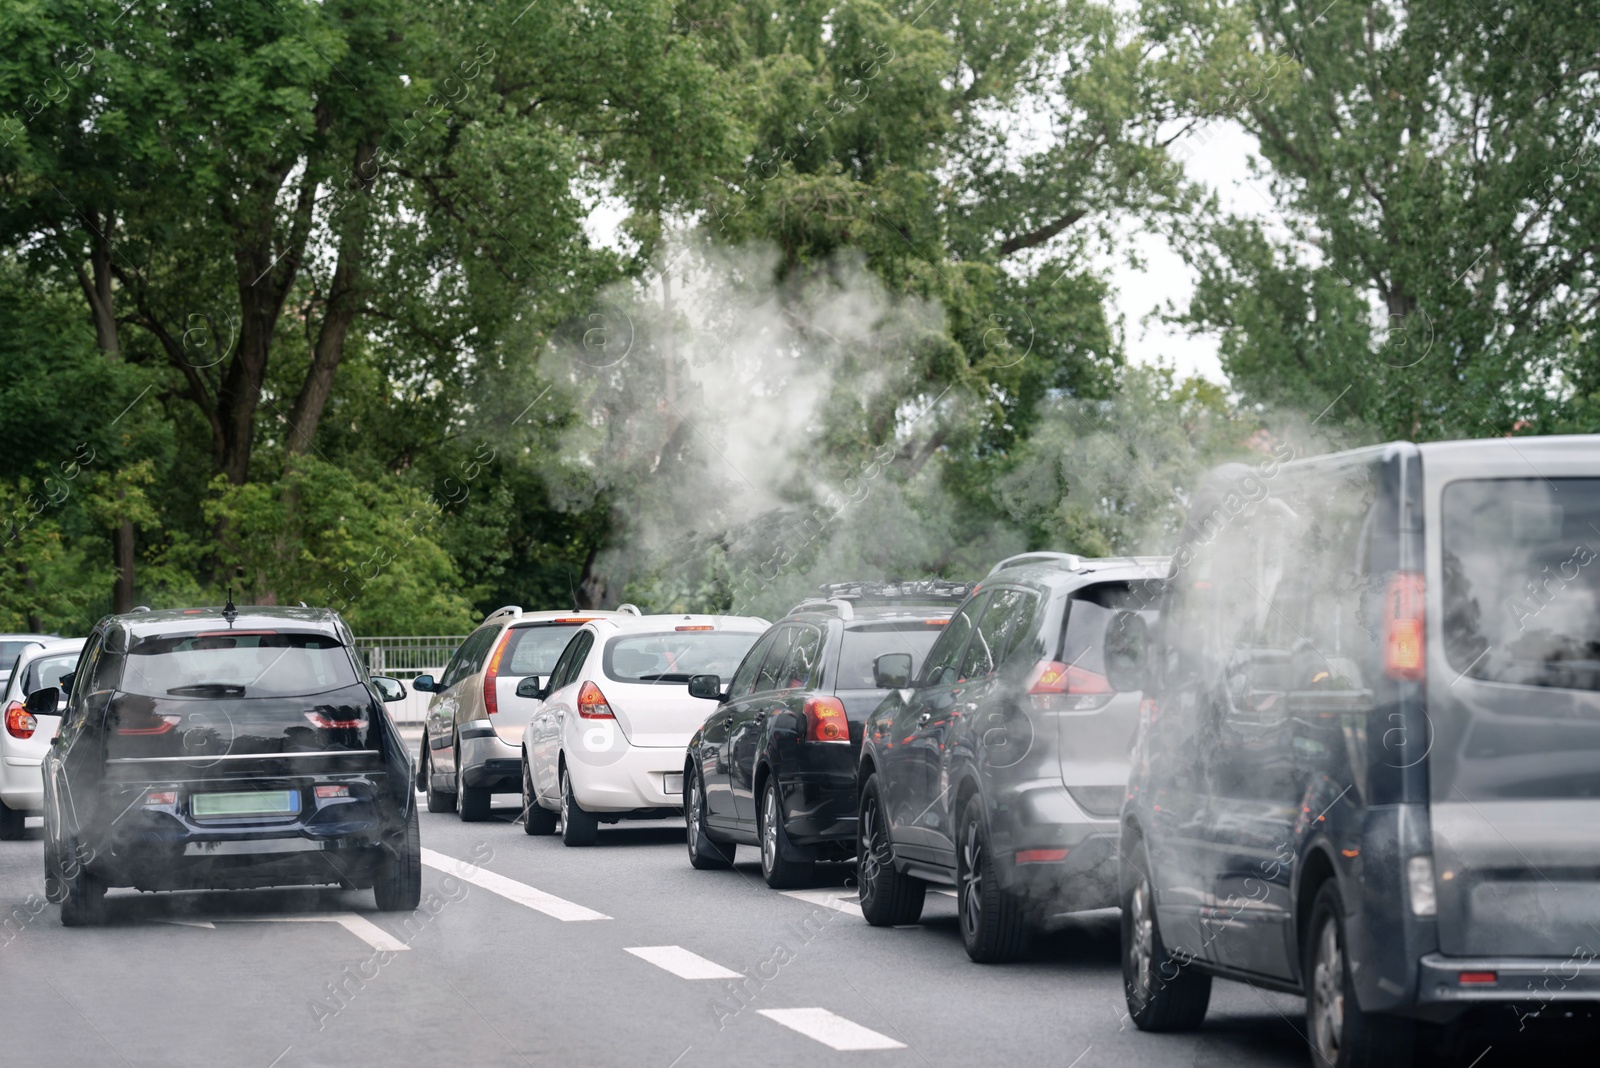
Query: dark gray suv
{"type": "Point", "coordinates": [1002, 768]}
{"type": "Point", "coordinates": [1369, 767]}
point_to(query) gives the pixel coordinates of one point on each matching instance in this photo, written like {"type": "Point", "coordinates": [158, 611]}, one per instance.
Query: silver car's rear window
{"type": "Point", "coordinates": [1521, 582]}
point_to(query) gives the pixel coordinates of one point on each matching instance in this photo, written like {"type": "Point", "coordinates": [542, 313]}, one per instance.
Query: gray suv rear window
{"type": "Point", "coordinates": [1522, 580]}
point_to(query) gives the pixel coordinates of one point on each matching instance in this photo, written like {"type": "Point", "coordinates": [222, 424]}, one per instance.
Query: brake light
{"type": "Point", "coordinates": [230, 633]}
{"type": "Point", "coordinates": [19, 721]}
{"type": "Point", "coordinates": [161, 797]}
{"type": "Point", "coordinates": [319, 720]}
{"type": "Point", "coordinates": [1403, 630]}
{"type": "Point", "coordinates": [1058, 687]}
{"type": "Point", "coordinates": [333, 791]}
{"type": "Point", "coordinates": [935, 622]}
{"type": "Point", "coordinates": [166, 724]}
{"type": "Point", "coordinates": [695, 628]}
{"type": "Point", "coordinates": [573, 619]}
{"type": "Point", "coordinates": [825, 720]}
{"type": "Point", "coordinates": [491, 699]}
{"type": "Point", "coordinates": [592, 703]}
{"type": "Point", "coordinates": [1481, 978]}
{"type": "Point", "coordinates": [1040, 856]}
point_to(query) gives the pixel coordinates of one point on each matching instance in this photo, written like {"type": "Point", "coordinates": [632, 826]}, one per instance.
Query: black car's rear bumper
{"type": "Point", "coordinates": [820, 806]}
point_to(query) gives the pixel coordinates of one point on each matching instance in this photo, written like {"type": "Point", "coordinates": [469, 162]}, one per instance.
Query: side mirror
{"type": "Point", "coordinates": [389, 689]}
{"type": "Point", "coordinates": [706, 686]}
{"type": "Point", "coordinates": [45, 702]}
{"type": "Point", "coordinates": [66, 682]}
{"type": "Point", "coordinates": [1127, 652]}
{"type": "Point", "coordinates": [424, 684]}
{"type": "Point", "coordinates": [529, 687]}
{"type": "Point", "coordinates": [892, 671]}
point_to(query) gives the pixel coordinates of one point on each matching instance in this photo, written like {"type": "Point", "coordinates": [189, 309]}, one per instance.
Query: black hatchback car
{"type": "Point", "coordinates": [1002, 770]}
{"type": "Point", "coordinates": [774, 764]}
{"type": "Point", "coordinates": [214, 748]}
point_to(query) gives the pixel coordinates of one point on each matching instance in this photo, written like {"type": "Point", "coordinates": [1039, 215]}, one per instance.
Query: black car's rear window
{"type": "Point", "coordinates": [237, 664]}
{"type": "Point", "coordinates": [864, 643]}
{"type": "Point", "coordinates": [1522, 580]}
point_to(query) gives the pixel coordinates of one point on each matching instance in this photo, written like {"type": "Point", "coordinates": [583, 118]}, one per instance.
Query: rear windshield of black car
{"type": "Point", "coordinates": [238, 693]}
{"type": "Point", "coordinates": [864, 643]}
{"type": "Point", "coordinates": [1522, 580]}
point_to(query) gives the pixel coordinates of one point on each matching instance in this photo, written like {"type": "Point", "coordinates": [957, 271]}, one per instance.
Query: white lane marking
{"type": "Point", "coordinates": [838, 900]}
{"type": "Point", "coordinates": [523, 894]}
{"type": "Point", "coordinates": [207, 924]}
{"type": "Point", "coordinates": [831, 1029]}
{"type": "Point", "coordinates": [682, 963]}
{"type": "Point", "coordinates": [360, 926]}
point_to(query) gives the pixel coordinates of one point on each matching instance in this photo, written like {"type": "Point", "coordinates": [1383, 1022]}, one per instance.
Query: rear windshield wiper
{"type": "Point", "coordinates": [208, 689]}
{"type": "Point", "coordinates": [668, 677]}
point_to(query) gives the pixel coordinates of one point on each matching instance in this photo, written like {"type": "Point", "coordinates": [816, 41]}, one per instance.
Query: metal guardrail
{"type": "Point", "coordinates": [405, 658]}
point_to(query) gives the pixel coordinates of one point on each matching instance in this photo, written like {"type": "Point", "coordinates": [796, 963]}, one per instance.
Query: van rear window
{"type": "Point", "coordinates": [1521, 582]}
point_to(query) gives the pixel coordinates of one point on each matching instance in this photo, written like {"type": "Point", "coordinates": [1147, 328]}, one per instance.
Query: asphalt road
{"type": "Point", "coordinates": [526, 952]}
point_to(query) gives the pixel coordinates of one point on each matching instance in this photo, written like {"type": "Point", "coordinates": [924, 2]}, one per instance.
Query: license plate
{"type": "Point", "coordinates": [672, 784]}
{"type": "Point", "coordinates": [247, 803]}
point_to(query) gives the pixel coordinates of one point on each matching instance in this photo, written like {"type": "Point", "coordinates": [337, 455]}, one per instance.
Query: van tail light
{"type": "Point", "coordinates": [19, 721]}
{"type": "Point", "coordinates": [491, 698]}
{"type": "Point", "coordinates": [1058, 687]}
{"type": "Point", "coordinates": [825, 720]}
{"type": "Point", "coordinates": [1403, 631]}
{"type": "Point", "coordinates": [592, 703]}
{"type": "Point", "coordinates": [319, 720]}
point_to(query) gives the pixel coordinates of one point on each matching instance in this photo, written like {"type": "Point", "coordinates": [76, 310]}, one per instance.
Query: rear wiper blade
{"type": "Point", "coordinates": [671, 676]}
{"type": "Point", "coordinates": [208, 689]}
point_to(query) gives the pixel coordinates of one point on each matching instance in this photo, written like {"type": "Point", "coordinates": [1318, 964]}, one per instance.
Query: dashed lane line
{"type": "Point", "coordinates": [838, 900]}
{"type": "Point", "coordinates": [556, 907]}
{"type": "Point", "coordinates": [360, 926]}
{"type": "Point", "coordinates": [831, 1029]}
{"type": "Point", "coordinates": [682, 963]}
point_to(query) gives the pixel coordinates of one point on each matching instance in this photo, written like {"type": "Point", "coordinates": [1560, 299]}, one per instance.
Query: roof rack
{"type": "Point", "coordinates": [510, 611]}
{"type": "Point", "coordinates": [897, 590]}
{"type": "Point", "coordinates": [845, 609]}
{"type": "Point", "coordinates": [1070, 561]}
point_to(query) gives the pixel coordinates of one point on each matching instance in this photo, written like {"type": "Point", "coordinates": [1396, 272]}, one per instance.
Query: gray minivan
{"type": "Point", "coordinates": [1368, 766]}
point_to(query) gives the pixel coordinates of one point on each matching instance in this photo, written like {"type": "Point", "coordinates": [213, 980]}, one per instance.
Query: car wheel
{"type": "Point", "coordinates": [83, 903]}
{"type": "Point", "coordinates": [1339, 1033]}
{"type": "Point", "coordinates": [578, 828]}
{"type": "Point", "coordinates": [536, 819]}
{"type": "Point", "coordinates": [438, 800]}
{"type": "Point", "coordinates": [780, 874]}
{"type": "Point", "coordinates": [399, 885]}
{"type": "Point", "coordinates": [705, 852]}
{"type": "Point", "coordinates": [472, 802]}
{"type": "Point", "coordinates": [1163, 992]}
{"type": "Point", "coordinates": [992, 925]}
{"type": "Point", "coordinates": [889, 898]}
{"type": "Point", "coordinates": [13, 823]}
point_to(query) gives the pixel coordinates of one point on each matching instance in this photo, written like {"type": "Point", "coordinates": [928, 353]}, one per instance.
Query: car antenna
{"type": "Point", "coordinates": [574, 590]}
{"type": "Point", "coordinates": [229, 612]}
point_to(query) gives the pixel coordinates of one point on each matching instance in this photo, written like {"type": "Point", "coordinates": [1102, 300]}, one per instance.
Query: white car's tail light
{"type": "Point", "coordinates": [19, 721]}
{"type": "Point", "coordinates": [592, 703]}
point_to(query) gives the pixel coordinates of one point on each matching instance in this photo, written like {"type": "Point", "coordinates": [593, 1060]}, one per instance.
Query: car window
{"type": "Point", "coordinates": [800, 666]}
{"type": "Point", "coordinates": [782, 642]}
{"type": "Point", "coordinates": [47, 671]}
{"type": "Point", "coordinates": [230, 664]}
{"type": "Point", "coordinates": [572, 658]}
{"type": "Point", "coordinates": [744, 680]}
{"type": "Point", "coordinates": [535, 650]}
{"type": "Point", "coordinates": [1006, 620]}
{"type": "Point", "coordinates": [674, 656]}
{"type": "Point", "coordinates": [1089, 612]}
{"type": "Point", "coordinates": [944, 657]}
{"type": "Point", "coordinates": [862, 645]}
{"type": "Point", "coordinates": [469, 656]}
{"type": "Point", "coordinates": [86, 667]}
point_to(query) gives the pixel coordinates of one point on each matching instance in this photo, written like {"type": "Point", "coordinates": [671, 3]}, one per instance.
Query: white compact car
{"type": "Point", "coordinates": [607, 744]}
{"type": "Point", "coordinates": [26, 737]}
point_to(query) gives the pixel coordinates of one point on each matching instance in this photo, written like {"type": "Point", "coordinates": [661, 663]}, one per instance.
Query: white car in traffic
{"type": "Point", "coordinates": [607, 744]}
{"type": "Point", "coordinates": [25, 738]}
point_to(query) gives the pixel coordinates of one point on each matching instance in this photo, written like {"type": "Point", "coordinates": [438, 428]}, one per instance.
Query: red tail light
{"type": "Point", "coordinates": [153, 725]}
{"type": "Point", "coordinates": [491, 699]}
{"type": "Point", "coordinates": [1058, 687]}
{"type": "Point", "coordinates": [161, 797]}
{"type": "Point", "coordinates": [825, 720]}
{"type": "Point", "coordinates": [319, 720]}
{"type": "Point", "coordinates": [1481, 978]}
{"type": "Point", "coordinates": [1403, 630]}
{"type": "Point", "coordinates": [19, 721]}
{"type": "Point", "coordinates": [592, 703]}
{"type": "Point", "coordinates": [1040, 856]}
{"type": "Point", "coordinates": [694, 628]}
{"type": "Point", "coordinates": [326, 791]}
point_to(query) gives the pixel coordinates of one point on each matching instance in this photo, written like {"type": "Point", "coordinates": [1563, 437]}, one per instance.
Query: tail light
{"type": "Point", "coordinates": [19, 721]}
{"type": "Point", "coordinates": [825, 720]}
{"type": "Point", "coordinates": [327, 791]}
{"type": "Point", "coordinates": [592, 703]}
{"type": "Point", "coordinates": [1403, 632]}
{"type": "Point", "coordinates": [694, 628]}
{"type": "Point", "coordinates": [491, 699]}
{"type": "Point", "coordinates": [152, 725]}
{"type": "Point", "coordinates": [161, 797]}
{"type": "Point", "coordinates": [1058, 687]}
{"type": "Point", "coordinates": [319, 720]}
{"type": "Point", "coordinates": [1040, 856]}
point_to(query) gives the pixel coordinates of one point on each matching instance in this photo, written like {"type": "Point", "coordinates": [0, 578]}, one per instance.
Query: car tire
{"type": "Point", "coordinates": [781, 874]}
{"type": "Point", "coordinates": [889, 898]}
{"type": "Point", "coordinates": [399, 886]}
{"type": "Point", "coordinates": [705, 852]}
{"type": "Point", "coordinates": [1163, 993]}
{"type": "Point", "coordinates": [993, 927]}
{"type": "Point", "coordinates": [536, 819]}
{"type": "Point", "coordinates": [578, 828]}
{"type": "Point", "coordinates": [438, 800]}
{"type": "Point", "coordinates": [13, 823]}
{"type": "Point", "coordinates": [83, 903]}
{"type": "Point", "coordinates": [472, 802]}
{"type": "Point", "coordinates": [1338, 1032]}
